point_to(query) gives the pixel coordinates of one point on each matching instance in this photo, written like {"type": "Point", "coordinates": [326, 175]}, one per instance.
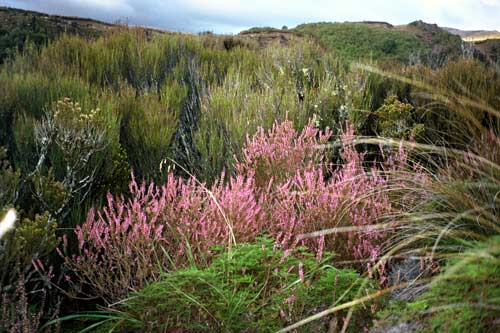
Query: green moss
{"type": "Point", "coordinates": [253, 288]}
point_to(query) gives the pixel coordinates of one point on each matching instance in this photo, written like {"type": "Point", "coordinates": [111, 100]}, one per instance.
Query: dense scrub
{"type": "Point", "coordinates": [137, 159]}
{"type": "Point", "coordinates": [355, 41]}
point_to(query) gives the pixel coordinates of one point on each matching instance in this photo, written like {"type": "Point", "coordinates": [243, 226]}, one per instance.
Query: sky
{"type": "Point", "coordinates": [232, 16]}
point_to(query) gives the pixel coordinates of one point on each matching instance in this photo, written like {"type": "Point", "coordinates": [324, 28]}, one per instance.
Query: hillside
{"type": "Point", "coordinates": [411, 43]}
{"type": "Point", "coordinates": [474, 35]}
{"type": "Point", "coordinates": [17, 26]}
{"type": "Point", "coordinates": [358, 40]}
{"type": "Point", "coordinates": [414, 42]}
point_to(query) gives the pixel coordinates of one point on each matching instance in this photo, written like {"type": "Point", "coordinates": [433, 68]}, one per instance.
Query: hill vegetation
{"type": "Point", "coordinates": [201, 183]}
{"type": "Point", "coordinates": [417, 42]}
{"type": "Point", "coordinates": [355, 41]}
{"type": "Point", "coordinates": [17, 26]}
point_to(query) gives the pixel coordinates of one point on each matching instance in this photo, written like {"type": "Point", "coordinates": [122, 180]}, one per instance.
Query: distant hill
{"type": "Point", "coordinates": [474, 35]}
{"type": "Point", "coordinates": [414, 42]}
{"type": "Point", "coordinates": [410, 43]}
{"type": "Point", "coordinates": [267, 36]}
{"type": "Point", "coordinates": [486, 42]}
{"type": "Point", "coordinates": [353, 41]}
{"type": "Point", "coordinates": [17, 26]}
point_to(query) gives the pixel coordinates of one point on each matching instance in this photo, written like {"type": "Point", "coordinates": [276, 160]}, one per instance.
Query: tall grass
{"type": "Point", "coordinates": [452, 223]}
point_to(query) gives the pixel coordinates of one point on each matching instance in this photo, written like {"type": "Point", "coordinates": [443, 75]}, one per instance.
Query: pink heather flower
{"type": "Point", "coordinates": [283, 188]}
{"type": "Point", "coordinates": [301, 272]}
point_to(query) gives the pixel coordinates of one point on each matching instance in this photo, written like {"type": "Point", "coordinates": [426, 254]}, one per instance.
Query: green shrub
{"type": "Point", "coordinates": [9, 180]}
{"type": "Point", "coordinates": [251, 288]}
{"type": "Point", "coordinates": [149, 123]}
{"type": "Point", "coordinates": [395, 120]}
{"type": "Point", "coordinates": [32, 239]}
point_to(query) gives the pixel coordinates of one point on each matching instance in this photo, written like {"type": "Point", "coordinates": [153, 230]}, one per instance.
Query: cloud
{"type": "Point", "coordinates": [232, 16]}
{"type": "Point", "coordinates": [493, 3]}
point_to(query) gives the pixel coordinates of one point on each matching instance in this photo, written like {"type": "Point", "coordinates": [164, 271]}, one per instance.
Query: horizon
{"type": "Point", "coordinates": [194, 16]}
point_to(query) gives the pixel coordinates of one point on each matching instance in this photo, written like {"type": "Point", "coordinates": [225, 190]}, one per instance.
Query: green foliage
{"type": "Point", "coordinates": [252, 288]}
{"type": "Point", "coordinates": [149, 123]}
{"type": "Point", "coordinates": [32, 239]}
{"type": "Point", "coordinates": [51, 192]}
{"type": "Point", "coordinates": [9, 180]}
{"type": "Point", "coordinates": [355, 41]}
{"type": "Point", "coordinates": [395, 120]}
{"type": "Point", "coordinates": [116, 176]}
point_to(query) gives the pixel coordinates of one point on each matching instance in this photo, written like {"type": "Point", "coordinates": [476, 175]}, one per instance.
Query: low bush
{"type": "Point", "coordinates": [123, 246]}
{"type": "Point", "coordinates": [251, 288]}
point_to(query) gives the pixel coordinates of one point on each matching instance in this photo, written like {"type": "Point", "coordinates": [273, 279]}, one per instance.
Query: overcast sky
{"type": "Point", "coordinates": [232, 16]}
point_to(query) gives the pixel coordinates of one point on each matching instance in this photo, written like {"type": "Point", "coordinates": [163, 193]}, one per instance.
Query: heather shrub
{"type": "Point", "coordinates": [123, 246]}
{"type": "Point", "coordinates": [16, 314]}
{"type": "Point", "coordinates": [278, 153]}
{"type": "Point", "coordinates": [312, 205]}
